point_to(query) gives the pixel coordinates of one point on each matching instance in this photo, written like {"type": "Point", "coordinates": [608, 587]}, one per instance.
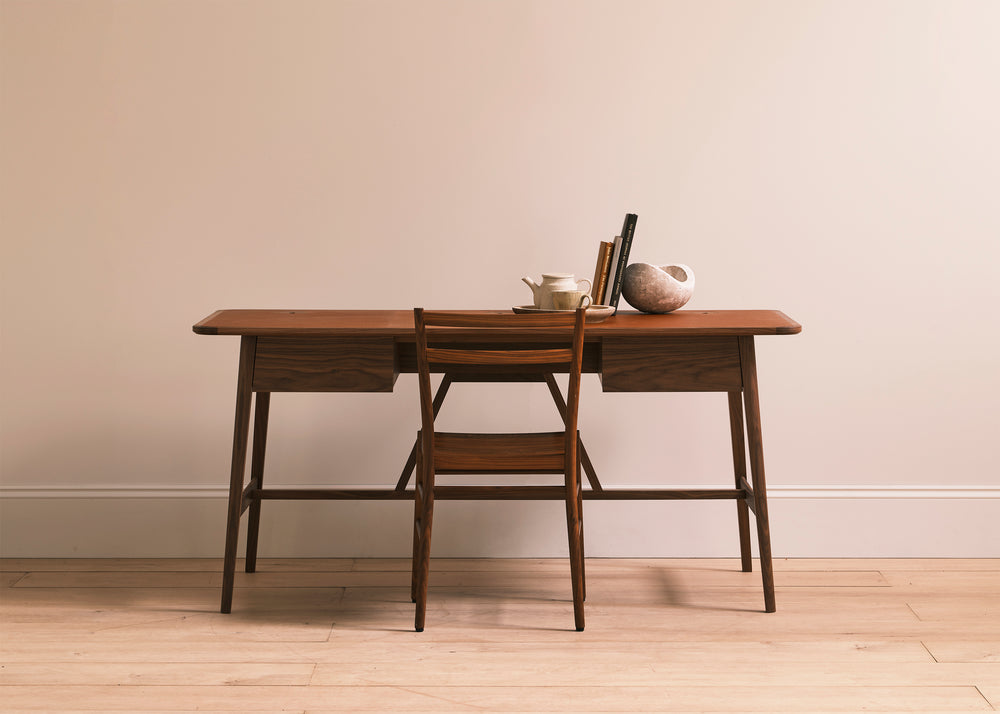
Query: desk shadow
{"type": "Point", "coordinates": [670, 586]}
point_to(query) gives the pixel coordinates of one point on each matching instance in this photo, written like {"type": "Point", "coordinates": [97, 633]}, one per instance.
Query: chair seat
{"type": "Point", "coordinates": [500, 453]}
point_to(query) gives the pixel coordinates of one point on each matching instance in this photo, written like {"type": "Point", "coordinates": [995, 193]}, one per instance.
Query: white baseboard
{"type": "Point", "coordinates": [806, 521]}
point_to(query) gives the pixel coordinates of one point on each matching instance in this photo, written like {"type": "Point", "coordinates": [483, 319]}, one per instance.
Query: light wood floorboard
{"type": "Point", "coordinates": [324, 635]}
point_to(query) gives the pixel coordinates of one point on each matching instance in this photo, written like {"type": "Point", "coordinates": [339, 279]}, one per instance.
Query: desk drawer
{"type": "Point", "coordinates": [677, 364]}
{"type": "Point", "coordinates": [324, 364]}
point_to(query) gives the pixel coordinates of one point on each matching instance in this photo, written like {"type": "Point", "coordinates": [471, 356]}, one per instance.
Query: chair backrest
{"type": "Point", "coordinates": [499, 343]}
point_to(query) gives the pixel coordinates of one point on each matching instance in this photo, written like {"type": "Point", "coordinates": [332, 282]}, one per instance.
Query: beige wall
{"type": "Point", "coordinates": [161, 159]}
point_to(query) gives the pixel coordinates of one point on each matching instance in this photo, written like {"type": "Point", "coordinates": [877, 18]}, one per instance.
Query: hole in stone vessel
{"type": "Point", "coordinates": [677, 272]}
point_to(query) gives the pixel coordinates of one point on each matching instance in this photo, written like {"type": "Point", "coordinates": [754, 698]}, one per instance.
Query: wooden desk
{"type": "Point", "coordinates": [366, 350]}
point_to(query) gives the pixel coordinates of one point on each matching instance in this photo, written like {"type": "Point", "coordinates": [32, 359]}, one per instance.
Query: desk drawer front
{"type": "Point", "coordinates": [324, 364]}
{"type": "Point", "coordinates": [690, 364]}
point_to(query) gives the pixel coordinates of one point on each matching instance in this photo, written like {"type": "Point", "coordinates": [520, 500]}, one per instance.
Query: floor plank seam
{"type": "Point", "coordinates": [986, 699]}
{"type": "Point", "coordinates": [19, 579]}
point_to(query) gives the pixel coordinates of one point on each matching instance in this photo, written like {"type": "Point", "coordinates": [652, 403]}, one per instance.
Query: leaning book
{"type": "Point", "coordinates": [599, 285]}
{"type": "Point", "coordinates": [612, 271]}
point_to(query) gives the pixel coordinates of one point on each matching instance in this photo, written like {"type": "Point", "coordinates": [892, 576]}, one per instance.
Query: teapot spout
{"type": "Point", "coordinates": [533, 285]}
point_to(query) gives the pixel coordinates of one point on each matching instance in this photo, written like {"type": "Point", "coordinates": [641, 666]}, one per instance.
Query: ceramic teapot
{"type": "Point", "coordinates": [552, 282]}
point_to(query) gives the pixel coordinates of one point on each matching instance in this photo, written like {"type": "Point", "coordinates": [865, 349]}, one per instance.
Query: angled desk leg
{"type": "Point", "coordinates": [585, 462]}
{"type": "Point", "coordinates": [411, 460]}
{"type": "Point", "coordinates": [748, 367]}
{"type": "Point", "coordinates": [262, 405]}
{"type": "Point", "coordinates": [244, 395]}
{"type": "Point", "coordinates": [740, 470]}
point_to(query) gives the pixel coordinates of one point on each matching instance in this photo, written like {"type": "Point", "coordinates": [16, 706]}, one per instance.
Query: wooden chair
{"type": "Point", "coordinates": [496, 350]}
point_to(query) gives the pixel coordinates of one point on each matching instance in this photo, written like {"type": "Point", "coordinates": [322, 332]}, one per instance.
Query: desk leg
{"type": "Point", "coordinates": [588, 467]}
{"type": "Point", "coordinates": [262, 406]}
{"type": "Point", "coordinates": [411, 461]}
{"type": "Point", "coordinates": [740, 470]}
{"type": "Point", "coordinates": [748, 366]}
{"type": "Point", "coordinates": [244, 396]}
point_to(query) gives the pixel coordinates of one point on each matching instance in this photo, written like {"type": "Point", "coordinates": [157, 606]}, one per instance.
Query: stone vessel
{"type": "Point", "coordinates": [657, 289]}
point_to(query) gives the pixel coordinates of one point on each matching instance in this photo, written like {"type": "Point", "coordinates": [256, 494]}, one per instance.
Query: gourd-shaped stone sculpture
{"type": "Point", "coordinates": [657, 289]}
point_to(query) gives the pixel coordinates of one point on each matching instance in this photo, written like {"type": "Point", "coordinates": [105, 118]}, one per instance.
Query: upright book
{"type": "Point", "coordinates": [623, 244]}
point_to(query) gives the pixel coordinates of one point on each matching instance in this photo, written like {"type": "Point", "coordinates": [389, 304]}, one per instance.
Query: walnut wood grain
{"type": "Point", "coordinates": [324, 364]}
{"type": "Point", "coordinates": [669, 364]}
{"type": "Point", "coordinates": [500, 453]}
{"type": "Point", "coordinates": [399, 323]}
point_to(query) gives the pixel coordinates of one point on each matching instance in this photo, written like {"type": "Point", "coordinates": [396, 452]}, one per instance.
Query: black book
{"type": "Point", "coordinates": [628, 231]}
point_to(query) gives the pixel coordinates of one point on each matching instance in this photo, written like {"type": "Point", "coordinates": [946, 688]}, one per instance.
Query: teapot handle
{"type": "Point", "coordinates": [589, 285]}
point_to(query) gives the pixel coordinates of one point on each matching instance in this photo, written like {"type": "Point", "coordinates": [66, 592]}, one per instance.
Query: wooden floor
{"type": "Point", "coordinates": [662, 635]}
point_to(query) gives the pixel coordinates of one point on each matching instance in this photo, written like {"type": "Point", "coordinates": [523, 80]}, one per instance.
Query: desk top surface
{"type": "Point", "coordinates": [399, 323]}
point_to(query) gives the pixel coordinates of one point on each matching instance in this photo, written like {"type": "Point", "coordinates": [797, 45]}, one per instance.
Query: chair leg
{"type": "Point", "coordinates": [422, 530]}
{"type": "Point", "coordinates": [574, 527]}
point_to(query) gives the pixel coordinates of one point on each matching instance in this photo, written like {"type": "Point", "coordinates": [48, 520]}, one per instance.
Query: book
{"type": "Point", "coordinates": [621, 259]}
{"type": "Point", "coordinates": [616, 251]}
{"type": "Point", "coordinates": [599, 284]}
